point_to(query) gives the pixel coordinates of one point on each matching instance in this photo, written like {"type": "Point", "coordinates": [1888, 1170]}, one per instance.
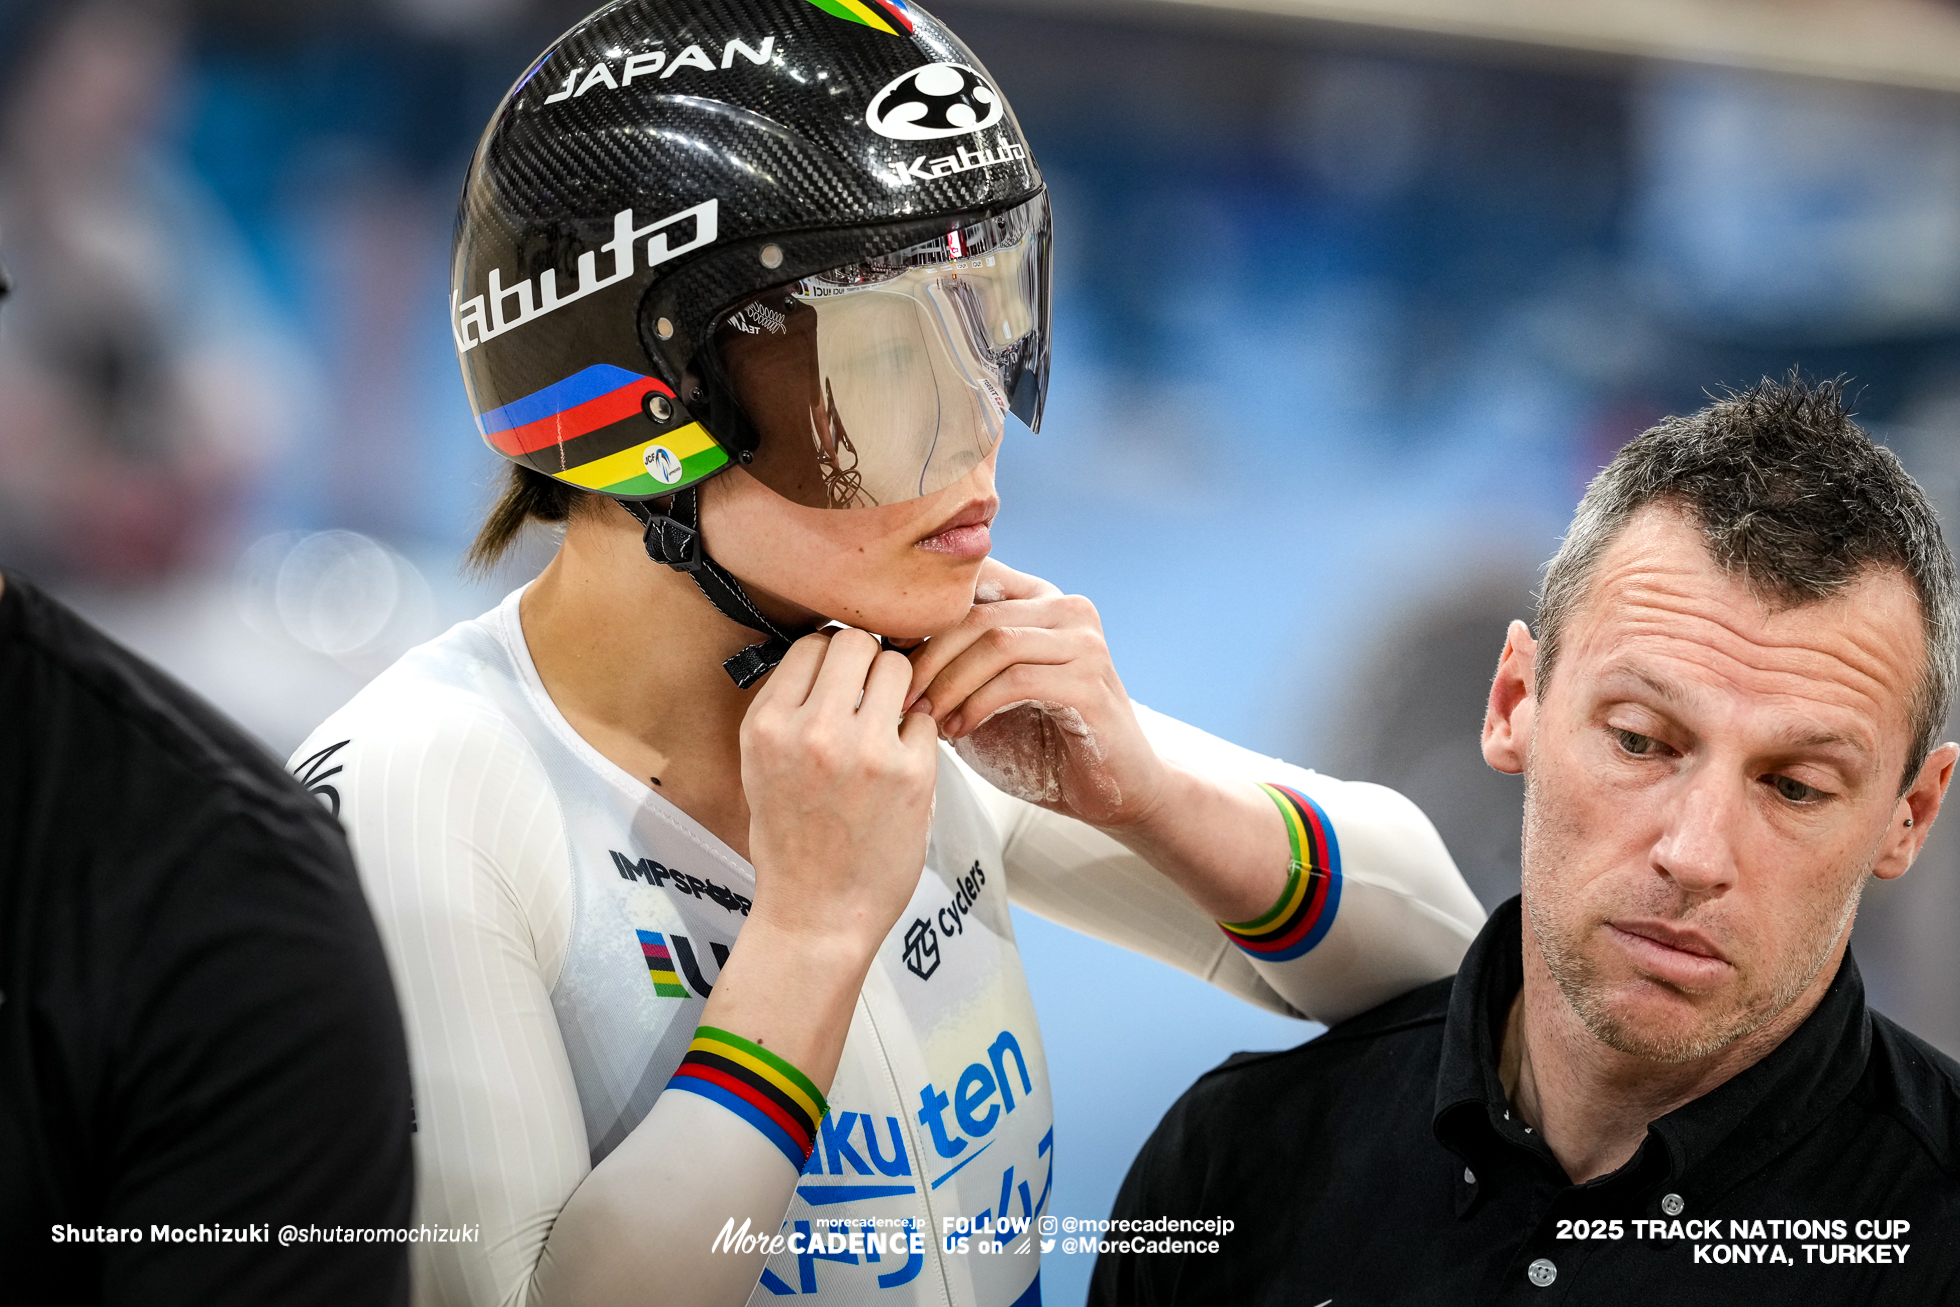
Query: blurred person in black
{"type": "Point", "coordinates": [199, 1043]}
{"type": "Point", "coordinates": [1655, 1077]}
{"type": "Point", "coordinates": [197, 1029]}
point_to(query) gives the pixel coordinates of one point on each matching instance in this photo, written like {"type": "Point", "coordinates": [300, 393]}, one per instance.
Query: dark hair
{"type": "Point", "coordinates": [1790, 493]}
{"type": "Point", "coordinates": [528, 496]}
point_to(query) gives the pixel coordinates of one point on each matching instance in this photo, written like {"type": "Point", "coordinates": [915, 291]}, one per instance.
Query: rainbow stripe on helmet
{"type": "Point", "coordinates": [878, 14]}
{"type": "Point", "coordinates": [569, 421]}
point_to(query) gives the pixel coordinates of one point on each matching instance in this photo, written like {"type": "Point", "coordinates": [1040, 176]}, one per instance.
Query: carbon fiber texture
{"type": "Point", "coordinates": [756, 107]}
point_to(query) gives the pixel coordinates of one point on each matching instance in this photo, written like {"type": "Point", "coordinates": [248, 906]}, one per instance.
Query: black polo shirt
{"type": "Point", "coordinates": [199, 1042]}
{"type": "Point", "coordinates": [1381, 1163]}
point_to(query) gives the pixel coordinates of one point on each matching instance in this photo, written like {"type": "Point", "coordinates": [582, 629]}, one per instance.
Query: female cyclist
{"type": "Point", "coordinates": [701, 933]}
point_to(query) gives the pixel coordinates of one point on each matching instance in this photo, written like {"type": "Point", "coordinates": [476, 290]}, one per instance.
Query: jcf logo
{"type": "Point", "coordinates": [662, 465]}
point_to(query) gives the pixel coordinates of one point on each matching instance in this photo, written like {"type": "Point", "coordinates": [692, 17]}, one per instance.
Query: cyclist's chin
{"type": "Point", "coordinates": [909, 597]}
{"type": "Point", "coordinates": [905, 570]}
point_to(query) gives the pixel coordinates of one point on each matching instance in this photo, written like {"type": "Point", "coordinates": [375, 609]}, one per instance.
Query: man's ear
{"type": "Point", "coordinates": [1912, 818]}
{"type": "Point", "coordinates": [1512, 711]}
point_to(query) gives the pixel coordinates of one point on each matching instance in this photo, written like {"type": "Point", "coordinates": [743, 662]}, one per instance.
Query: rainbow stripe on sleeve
{"type": "Point", "coordinates": [757, 1086]}
{"type": "Point", "coordinates": [1306, 907]}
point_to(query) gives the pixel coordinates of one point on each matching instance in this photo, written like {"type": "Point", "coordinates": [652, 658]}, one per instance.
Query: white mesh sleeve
{"type": "Point", "coordinates": [1405, 914]}
{"type": "Point", "coordinates": [462, 851]}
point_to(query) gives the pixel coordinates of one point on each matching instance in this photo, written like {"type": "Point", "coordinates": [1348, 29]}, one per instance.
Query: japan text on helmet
{"type": "Point", "coordinates": [690, 217]}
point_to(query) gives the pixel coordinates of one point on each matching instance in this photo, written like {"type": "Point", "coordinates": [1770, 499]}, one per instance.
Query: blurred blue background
{"type": "Point", "coordinates": [1347, 314]}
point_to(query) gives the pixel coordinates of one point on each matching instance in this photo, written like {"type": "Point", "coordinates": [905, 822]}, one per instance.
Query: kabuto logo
{"type": "Point", "coordinates": [964, 159]}
{"type": "Point", "coordinates": [505, 308]}
{"type": "Point", "coordinates": [932, 102]}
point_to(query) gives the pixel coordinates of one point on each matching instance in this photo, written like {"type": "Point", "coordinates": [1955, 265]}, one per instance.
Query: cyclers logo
{"type": "Point", "coordinates": [921, 949]}
{"type": "Point", "coordinates": [932, 102]}
{"type": "Point", "coordinates": [472, 325]}
{"type": "Point", "coordinates": [922, 940]}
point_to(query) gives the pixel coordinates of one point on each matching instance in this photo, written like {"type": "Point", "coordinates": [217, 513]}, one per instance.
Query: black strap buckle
{"type": "Point", "coordinates": [747, 666]}
{"type": "Point", "coordinates": [672, 537]}
{"type": "Point", "coordinates": [673, 543]}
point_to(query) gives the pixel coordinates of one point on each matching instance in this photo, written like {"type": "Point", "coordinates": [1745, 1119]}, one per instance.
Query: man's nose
{"type": "Point", "coordinates": [1697, 847]}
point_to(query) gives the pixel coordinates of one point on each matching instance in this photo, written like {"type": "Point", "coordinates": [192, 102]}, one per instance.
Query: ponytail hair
{"type": "Point", "coordinates": [528, 495]}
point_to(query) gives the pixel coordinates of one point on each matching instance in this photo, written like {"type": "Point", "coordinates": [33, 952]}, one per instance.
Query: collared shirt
{"type": "Point", "coordinates": [1382, 1163]}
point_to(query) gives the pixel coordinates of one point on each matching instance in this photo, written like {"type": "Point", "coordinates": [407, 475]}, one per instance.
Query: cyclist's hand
{"type": "Point", "coordinates": [1025, 689]}
{"type": "Point", "coordinates": [839, 785]}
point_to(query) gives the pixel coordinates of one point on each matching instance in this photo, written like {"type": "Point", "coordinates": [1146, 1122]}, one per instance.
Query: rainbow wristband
{"type": "Point", "coordinates": [1306, 907]}
{"type": "Point", "coordinates": [757, 1086]}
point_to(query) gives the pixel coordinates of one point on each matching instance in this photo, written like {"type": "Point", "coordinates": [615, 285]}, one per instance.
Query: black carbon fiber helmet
{"type": "Point", "coordinates": [668, 160]}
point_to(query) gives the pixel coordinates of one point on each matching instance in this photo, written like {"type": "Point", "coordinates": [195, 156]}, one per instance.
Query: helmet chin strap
{"type": "Point", "coordinates": [673, 537]}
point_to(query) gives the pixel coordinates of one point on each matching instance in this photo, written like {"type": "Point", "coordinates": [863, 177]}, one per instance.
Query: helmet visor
{"type": "Point", "coordinates": [890, 379]}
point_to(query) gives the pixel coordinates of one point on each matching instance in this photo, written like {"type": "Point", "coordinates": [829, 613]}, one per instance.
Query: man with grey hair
{"type": "Point", "coordinates": [1655, 1078]}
